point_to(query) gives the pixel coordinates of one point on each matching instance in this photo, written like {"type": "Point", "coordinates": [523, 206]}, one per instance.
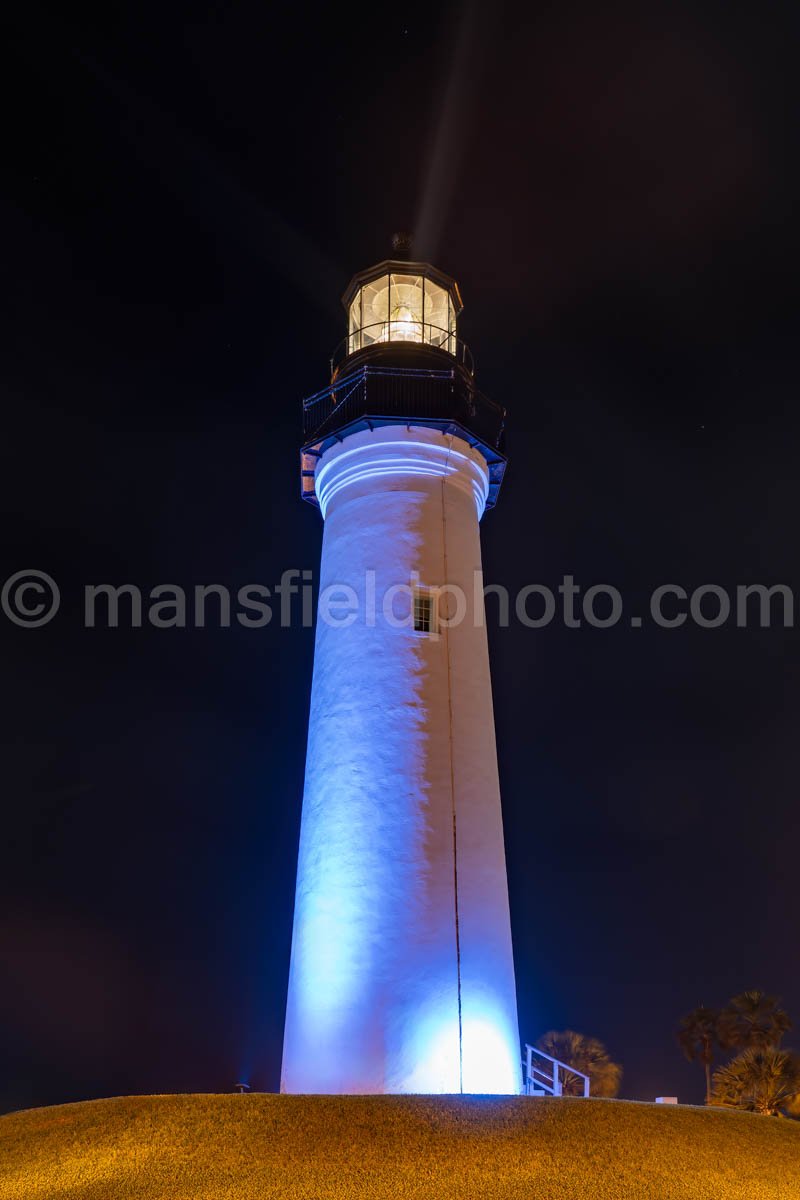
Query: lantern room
{"type": "Point", "coordinates": [400, 301]}
{"type": "Point", "coordinates": [406, 305]}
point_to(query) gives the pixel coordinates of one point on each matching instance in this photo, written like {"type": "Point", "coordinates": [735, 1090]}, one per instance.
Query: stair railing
{"type": "Point", "coordinates": [548, 1080]}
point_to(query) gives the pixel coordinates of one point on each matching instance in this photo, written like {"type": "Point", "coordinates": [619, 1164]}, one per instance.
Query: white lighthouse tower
{"type": "Point", "coordinates": [402, 975]}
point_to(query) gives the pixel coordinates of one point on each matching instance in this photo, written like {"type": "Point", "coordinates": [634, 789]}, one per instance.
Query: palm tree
{"type": "Point", "coordinates": [587, 1055]}
{"type": "Point", "coordinates": [762, 1079]}
{"type": "Point", "coordinates": [698, 1036]}
{"type": "Point", "coordinates": [753, 1019]}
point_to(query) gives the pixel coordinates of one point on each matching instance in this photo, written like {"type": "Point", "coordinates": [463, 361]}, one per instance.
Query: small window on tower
{"type": "Point", "coordinates": [424, 611]}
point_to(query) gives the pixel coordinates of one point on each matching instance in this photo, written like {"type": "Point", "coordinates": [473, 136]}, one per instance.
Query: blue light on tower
{"type": "Point", "coordinates": [402, 976]}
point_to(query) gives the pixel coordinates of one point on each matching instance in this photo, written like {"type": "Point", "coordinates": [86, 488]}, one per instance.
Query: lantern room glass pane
{"type": "Point", "coordinates": [439, 317]}
{"type": "Point", "coordinates": [375, 311]}
{"type": "Point", "coordinates": [354, 326]}
{"type": "Point", "coordinates": [405, 308]}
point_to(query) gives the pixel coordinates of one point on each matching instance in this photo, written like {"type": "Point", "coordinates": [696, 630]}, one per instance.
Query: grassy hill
{"type": "Point", "coordinates": [321, 1147]}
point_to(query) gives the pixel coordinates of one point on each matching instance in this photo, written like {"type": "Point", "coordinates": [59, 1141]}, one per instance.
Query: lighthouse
{"type": "Point", "coordinates": [402, 975]}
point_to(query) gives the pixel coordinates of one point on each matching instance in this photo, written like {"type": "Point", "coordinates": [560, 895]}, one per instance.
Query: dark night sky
{"type": "Point", "coordinates": [188, 189]}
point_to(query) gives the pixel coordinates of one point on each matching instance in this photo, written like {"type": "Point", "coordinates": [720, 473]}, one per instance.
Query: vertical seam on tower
{"type": "Point", "coordinates": [452, 786]}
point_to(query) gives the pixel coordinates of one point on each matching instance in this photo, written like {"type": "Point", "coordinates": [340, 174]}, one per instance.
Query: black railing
{"type": "Point", "coordinates": [399, 394]}
{"type": "Point", "coordinates": [402, 333]}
